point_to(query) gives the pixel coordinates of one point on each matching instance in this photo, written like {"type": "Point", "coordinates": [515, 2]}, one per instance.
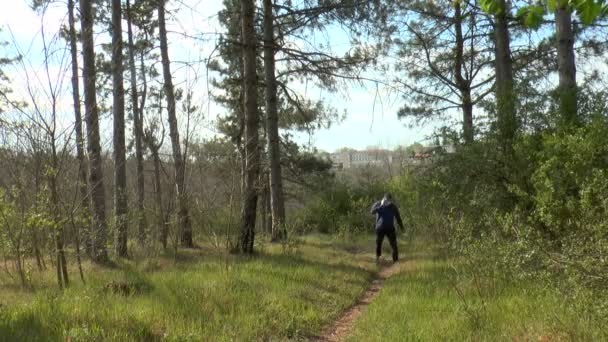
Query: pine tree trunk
{"type": "Point", "coordinates": [137, 133]}
{"type": "Point", "coordinates": [505, 96]}
{"type": "Point", "coordinates": [99, 224]}
{"type": "Point", "coordinates": [82, 166]}
{"type": "Point", "coordinates": [566, 65]}
{"type": "Point", "coordinates": [464, 85]}
{"type": "Point", "coordinates": [252, 162]}
{"type": "Point", "coordinates": [120, 162]}
{"type": "Point", "coordinates": [277, 202]}
{"type": "Point", "coordinates": [182, 197]}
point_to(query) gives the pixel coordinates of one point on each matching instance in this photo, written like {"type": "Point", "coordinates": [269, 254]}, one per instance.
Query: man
{"type": "Point", "coordinates": [386, 213]}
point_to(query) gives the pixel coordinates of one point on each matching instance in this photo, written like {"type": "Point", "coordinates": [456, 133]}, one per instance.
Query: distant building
{"type": "Point", "coordinates": [351, 158]}
{"type": "Point", "coordinates": [375, 157]}
{"type": "Point", "coordinates": [347, 158]}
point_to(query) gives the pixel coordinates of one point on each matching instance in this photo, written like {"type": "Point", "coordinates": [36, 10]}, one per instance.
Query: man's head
{"type": "Point", "coordinates": [388, 198]}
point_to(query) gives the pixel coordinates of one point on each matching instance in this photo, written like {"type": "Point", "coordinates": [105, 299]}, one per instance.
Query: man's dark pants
{"type": "Point", "coordinates": [392, 238]}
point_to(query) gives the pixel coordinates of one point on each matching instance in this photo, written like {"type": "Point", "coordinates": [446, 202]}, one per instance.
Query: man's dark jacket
{"type": "Point", "coordinates": [386, 213]}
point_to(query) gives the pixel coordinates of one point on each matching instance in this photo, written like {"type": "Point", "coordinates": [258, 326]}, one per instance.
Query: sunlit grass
{"type": "Point", "coordinates": [208, 295]}
{"type": "Point", "coordinates": [428, 302]}
{"type": "Point", "coordinates": [203, 296]}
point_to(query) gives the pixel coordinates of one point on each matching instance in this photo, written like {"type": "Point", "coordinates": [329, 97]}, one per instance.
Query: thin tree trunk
{"type": "Point", "coordinates": [182, 196]}
{"type": "Point", "coordinates": [37, 252]}
{"type": "Point", "coordinates": [35, 234]}
{"type": "Point", "coordinates": [241, 136]}
{"type": "Point", "coordinates": [162, 232]}
{"type": "Point", "coordinates": [267, 206]}
{"type": "Point", "coordinates": [262, 204]}
{"type": "Point", "coordinates": [467, 115]}
{"type": "Point", "coordinates": [252, 162]}
{"type": "Point", "coordinates": [82, 167]}
{"type": "Point", "coordinates": [99, 229]}
{"type": "Point", "coordinates": [162, 222]}
{"type": "Point", "coordinates": [51, 260]}
{"type": "Point", "coordinates": [137, 132]}
{"type": "Point", "coordinates": [464, 85]}
{"type": "Point", "coordinates": [78, 258]}
{"type": "Point", "coordinates": [52, 174]}
{"type": "Point", "coordinates": [61, 266]}
{"type": "Point", "coordinates": [277, 202]}
{"type": "Point", "coordinates": [19, 267]}
{"type": "Point", "coordinates": [120, 163]}
{"type": "Point", "coordinates": [566, 65]}
{"type": "Point", "coordinates": [505, 96]}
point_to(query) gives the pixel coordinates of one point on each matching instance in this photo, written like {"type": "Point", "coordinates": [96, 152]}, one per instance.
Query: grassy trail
{"type": "Point", "coordinates": [342, 328]}
{"type": "Point", "coordinates": [438, 299]}
{"type": "Point", "coordinates": [323, 288]}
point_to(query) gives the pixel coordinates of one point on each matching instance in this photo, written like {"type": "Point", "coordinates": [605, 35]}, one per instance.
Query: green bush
{"type": "Point", "coordinates": [341, 208]}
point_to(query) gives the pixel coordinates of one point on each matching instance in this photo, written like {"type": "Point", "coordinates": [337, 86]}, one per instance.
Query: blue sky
{"type": "Point", "coordinates": [371, 115]}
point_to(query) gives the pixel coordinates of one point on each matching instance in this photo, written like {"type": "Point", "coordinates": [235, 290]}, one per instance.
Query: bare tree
{"type": "Point", "coordinates": [180, 167]}
{"type": "Point", "coordinates": [154, 145]}
{"type": "Point", "coordinates": [40, 126]}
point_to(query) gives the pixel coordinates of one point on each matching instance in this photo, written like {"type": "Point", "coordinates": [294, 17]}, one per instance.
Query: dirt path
{"type": "Point", "coordinates": [343, 326]}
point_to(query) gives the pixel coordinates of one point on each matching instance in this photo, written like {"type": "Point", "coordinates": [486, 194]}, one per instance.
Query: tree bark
{"type": "Point", "coordinates": [82, 166]}
{"type": "Point", "coordinates": [277, 202]}
{"type": "Point", "coordinates": [464, 85]}
{"type": "Point", "coordinates": [505, 96]}
{"type": "Point", "coordinates": [252, 162]}
{"type": "Point", "coordinates": [120, 161]}
{"type": "Point", "coordinates": [267, 206]}
{"type": "Point", "coordinates": [180, 174]}
{"type": "Point", "coordinates": [99, 224]}
{"type": "Point", "coordinates": [137, 132]}
{"type": "Point", "coordinates": [566, 65]}
{"type": "Point", "coordinates": [163, 224]}
{"type": "Point", "coordinates": [61, 266]}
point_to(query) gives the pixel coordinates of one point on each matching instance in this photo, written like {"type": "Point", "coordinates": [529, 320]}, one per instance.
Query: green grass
{"type": "Point", "coordinates": [428, 302]}
{"type": "Point", "coordinates": [205, 295]}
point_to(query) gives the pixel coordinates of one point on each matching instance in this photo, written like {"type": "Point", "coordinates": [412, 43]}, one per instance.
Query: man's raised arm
{"type": "Point", "coordinates": [375, 207]}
